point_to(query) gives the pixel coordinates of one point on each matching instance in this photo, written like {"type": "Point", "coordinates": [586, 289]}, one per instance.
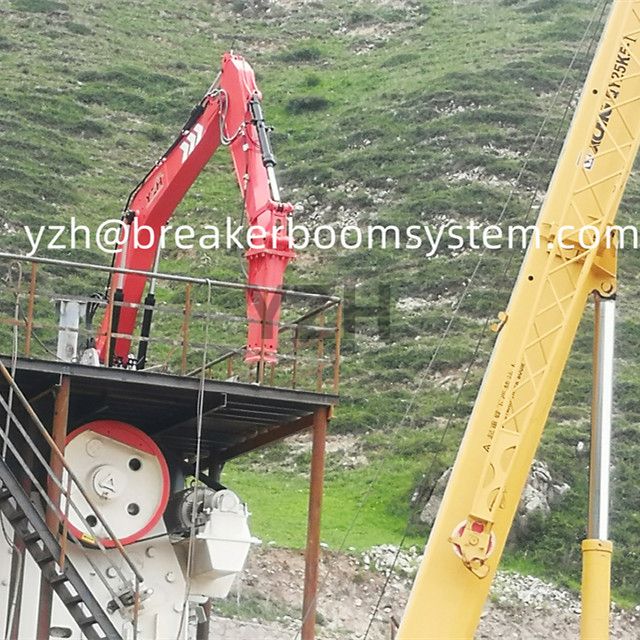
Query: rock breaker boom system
{"type": "Point", "coordinates": [119, 489]}
{"type": "Point", "coordinates": [574, 258]}
{"type": "Point", "coordinates": [229, 114]}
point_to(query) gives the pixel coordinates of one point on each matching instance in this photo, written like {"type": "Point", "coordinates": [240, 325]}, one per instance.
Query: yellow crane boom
{"type": "Point", "coordinates": [573, 257]}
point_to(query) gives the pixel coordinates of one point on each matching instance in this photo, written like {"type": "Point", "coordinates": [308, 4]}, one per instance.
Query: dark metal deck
{"type": "Point", "coordinates": [237, 417]}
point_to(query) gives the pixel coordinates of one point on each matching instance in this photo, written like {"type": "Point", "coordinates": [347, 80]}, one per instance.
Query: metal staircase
{"type": "Point", "coordinates": [56, 569]}
{"type": "Point", "coordinates": [47, 540]}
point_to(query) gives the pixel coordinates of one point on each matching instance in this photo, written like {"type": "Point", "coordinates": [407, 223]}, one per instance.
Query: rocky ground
{"type": "Point", "coordinates": [266, 602]}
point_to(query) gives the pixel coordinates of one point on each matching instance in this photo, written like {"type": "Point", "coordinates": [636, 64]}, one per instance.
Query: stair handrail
{"type": "Point", "coordinates": [56, 450]}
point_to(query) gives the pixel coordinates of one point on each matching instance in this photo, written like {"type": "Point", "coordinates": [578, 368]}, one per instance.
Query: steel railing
{"type": "Point", "coordinates": [193, 318]}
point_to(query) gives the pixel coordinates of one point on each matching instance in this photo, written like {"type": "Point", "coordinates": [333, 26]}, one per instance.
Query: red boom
{"type": "Point", "coordinates": [231, 110]}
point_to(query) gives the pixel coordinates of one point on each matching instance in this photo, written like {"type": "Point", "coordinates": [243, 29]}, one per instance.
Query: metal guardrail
{"type": "Point", "coordinates": [193, 317]}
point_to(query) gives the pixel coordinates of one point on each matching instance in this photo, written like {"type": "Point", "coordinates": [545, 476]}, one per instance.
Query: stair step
{"type": "Point", "coordinates": [4, 493]}
{"type": "Point", "coordinates": [71, 600]}
{"type": "Point", "coordinates": [33, 536]}
{"type": "Point", "coordinates": [15, 516]}
{"type": "Point", "coordinates": [86, 622]}
{"type": "Point", "coordinates": [58, 578]}
{"type": "Point", "coordinates": [43, 557]}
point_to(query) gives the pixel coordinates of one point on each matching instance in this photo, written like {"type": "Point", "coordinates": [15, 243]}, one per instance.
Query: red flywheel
{"type": "Point", "coordinates": [126, 477]}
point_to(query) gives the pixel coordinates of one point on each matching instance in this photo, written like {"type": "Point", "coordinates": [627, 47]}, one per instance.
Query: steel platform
{"type": "Point", "coordinates": [237, 417]}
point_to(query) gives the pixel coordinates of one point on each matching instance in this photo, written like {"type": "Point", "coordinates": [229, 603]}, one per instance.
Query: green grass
{"type": "Point", "coordinates": [392, 98]}
{"type": "Point", "coordinates": [278, 502]}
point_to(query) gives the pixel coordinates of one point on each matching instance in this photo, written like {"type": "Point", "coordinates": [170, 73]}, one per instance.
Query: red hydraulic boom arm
{"type": "Point", "coordinates": [229, 114]}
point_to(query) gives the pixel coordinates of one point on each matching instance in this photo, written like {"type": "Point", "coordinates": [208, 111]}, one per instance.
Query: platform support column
{"type": "Point", "coordinates": [59, 434]}
{"type": "Point", "coordinates": [202, 629]}
{"type": "Point", "coordinates": [312, 553]}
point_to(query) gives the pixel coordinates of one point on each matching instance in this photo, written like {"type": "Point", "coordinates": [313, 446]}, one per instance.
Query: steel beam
{"type": "Point", "coordinates": [266, 437]}
{"type": "Point", "coordinates": [162, 380]}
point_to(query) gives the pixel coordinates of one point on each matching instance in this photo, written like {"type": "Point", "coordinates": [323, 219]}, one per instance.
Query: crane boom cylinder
{"type": "Point", "coordinates": [604, 338]}
{"type": "Point", "coordinates": [597, 549]}
{"type": "Point", "coordinates": [147, 317]}
{"type": "Point", "coordinates": [257, 119]}
{"type": "Point", "coordinates": [268, 157]}
{"type": "Point", "coordinates": [596, 589]}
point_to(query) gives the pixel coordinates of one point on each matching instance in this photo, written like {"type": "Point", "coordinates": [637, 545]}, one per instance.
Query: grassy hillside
{"type": "Point", "coordinates": [398, 112]}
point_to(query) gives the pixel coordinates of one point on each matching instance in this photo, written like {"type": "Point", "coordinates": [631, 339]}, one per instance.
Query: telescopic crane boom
{"type": "Point", "coordinates": [229, 114]}
{"type": "Point", "coordinates": [572, 260]}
